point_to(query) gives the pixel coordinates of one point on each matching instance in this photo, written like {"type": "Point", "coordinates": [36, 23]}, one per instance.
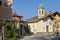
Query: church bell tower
{"type": "Point", "coordinates": [41, 10]}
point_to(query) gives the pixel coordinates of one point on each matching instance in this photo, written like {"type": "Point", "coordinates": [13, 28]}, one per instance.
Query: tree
{"type": "Point", "coordinates": [10, 31]}
{"type": "Point", "coordinates": [7, 30]}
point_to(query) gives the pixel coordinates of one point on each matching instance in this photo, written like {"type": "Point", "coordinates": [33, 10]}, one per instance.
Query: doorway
{"type": "Point", "coordinates": [47, 27]}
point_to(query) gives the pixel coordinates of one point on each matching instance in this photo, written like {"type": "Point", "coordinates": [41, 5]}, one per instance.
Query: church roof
{"type": "Point", "coordinates": [36, 19]}
{"type": "Point", "coordinates": [41, 6]}
{"type": "Point", "coordinates": [33, 19]}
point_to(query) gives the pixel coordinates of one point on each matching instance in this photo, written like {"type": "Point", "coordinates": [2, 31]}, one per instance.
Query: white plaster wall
{"type": "Point", "coordinates": [31, 27]}
{"type": "Point", "coordinates": [35, 28]}
{"type": "Point", "coordinates": [50, 26]}
{"type": "Point", "coordinates": [38, 27]}
{"type": "Point", "coordinates": [41, 26]}
{"type": "Point", "coordinates": [40, 13]}
{"type": "Point", "coordinates": [44, 27]}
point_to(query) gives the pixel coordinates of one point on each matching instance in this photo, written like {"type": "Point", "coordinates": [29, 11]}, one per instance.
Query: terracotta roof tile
{"type": "Point", "coordinates": [15, 15]}
{"type": "Point", "coordinates": [33, 19]}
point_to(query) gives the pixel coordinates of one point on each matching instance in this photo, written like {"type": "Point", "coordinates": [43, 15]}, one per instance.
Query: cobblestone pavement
{"type": "Point", "coordinates": [39, 37]}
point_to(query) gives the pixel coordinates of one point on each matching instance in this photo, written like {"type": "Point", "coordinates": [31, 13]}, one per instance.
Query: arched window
{"type": "Point", "coordinates": [47, 28]}
{"type": "Point", "coordinates": [42, 11]}
{"type": "Point", "coordinates": [50, 23]}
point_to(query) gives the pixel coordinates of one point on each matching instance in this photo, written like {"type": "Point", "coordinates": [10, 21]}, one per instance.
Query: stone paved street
{"type": "Point", "coordinates": [39, 37]}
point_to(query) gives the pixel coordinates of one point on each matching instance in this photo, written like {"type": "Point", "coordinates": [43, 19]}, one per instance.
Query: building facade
{"type": "Point", "coordinates": [42, 22]}
{"type": "Point", "coordinates": [5, 9]}
{"type": "Point", "coordinates": [45, 22]}
{"type": "Point", "coordinates": [17, 19]}
{"type": "Point", "coordinates": [5, 13]}
{"type": "Point", "coordinates": [57, 18]}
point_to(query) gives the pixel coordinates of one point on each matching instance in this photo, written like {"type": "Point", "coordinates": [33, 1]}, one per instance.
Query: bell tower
{"type": "Point", "coordinates": [41, 10]}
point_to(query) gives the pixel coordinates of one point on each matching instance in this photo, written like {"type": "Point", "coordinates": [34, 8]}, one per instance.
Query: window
{"type": "Point", "coordinates": [50, 23]}
{"type": "Point", "coordinates": [5, 4]}
{"type": "Point", "coordinates": [58, 26]}
{"type": "Point", "coordinates": [47, 28]}
{"type": "Point", "coordinates": [7, 15]}
{"type": "Point", "coordinates": [0, 3]}
{"type": "Point", "coordinates": [42, 11]}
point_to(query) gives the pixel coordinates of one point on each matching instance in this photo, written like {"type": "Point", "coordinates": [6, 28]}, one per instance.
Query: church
{"type": "Point", "coordinates": [43, 22]}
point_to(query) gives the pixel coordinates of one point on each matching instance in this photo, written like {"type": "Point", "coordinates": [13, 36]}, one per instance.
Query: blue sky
{"type": "Point", "coordinates": [29, 8]}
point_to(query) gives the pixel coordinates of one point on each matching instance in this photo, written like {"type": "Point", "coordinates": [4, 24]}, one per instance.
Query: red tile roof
{"type": "Point", "coordinates": [15, 15]}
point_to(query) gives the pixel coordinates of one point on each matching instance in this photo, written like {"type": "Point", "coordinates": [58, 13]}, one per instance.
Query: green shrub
{"type": "Point", "coordinates": [10, 39]}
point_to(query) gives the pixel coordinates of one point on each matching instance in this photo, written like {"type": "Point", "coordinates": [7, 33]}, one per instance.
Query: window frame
{"type": "Point", "coordinates": [3, 4]}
